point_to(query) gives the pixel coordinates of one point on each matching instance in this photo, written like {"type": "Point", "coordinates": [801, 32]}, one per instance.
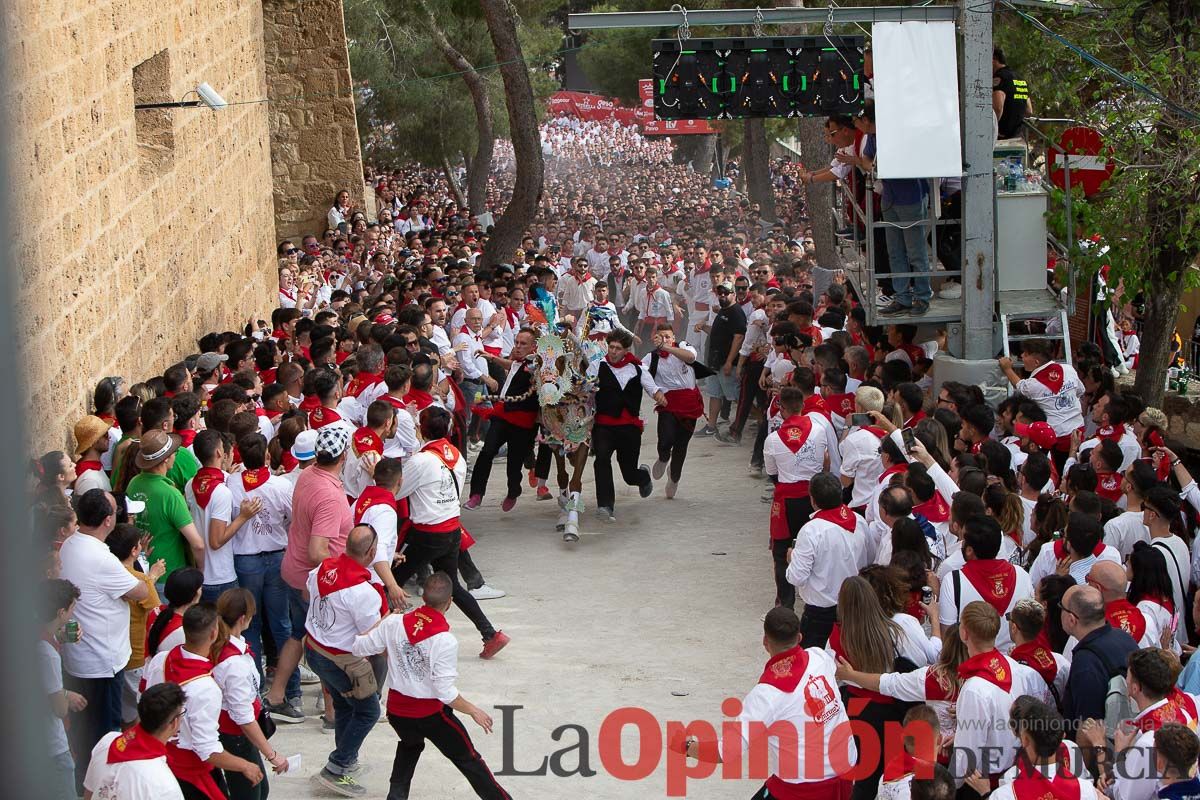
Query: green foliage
{"type": "Point", "coordinates": [411, 104]}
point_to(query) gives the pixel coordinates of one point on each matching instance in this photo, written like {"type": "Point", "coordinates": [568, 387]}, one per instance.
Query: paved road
{"type": "Point", "coordinates": [659, 611]}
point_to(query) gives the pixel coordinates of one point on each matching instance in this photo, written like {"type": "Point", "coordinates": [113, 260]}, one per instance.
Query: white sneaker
{"type": "Point", "coordinates": [660, 467]}
{"type": "Point", "coordinates": [951, 290]}
{"type": "Point", "coordinates": [756, 471]}
{"type": "Point", "coordinates": [671, 487]}
{"type": "Point", "coordinates": [307, 676]}
{"type": "Point", "coordinates": [882, 300]}
{"type": "Point", "coordinates": [486, 592]}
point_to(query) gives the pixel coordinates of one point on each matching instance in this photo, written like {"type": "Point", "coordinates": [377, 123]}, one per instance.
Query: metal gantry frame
{"type": "Point", "coordinates": [978, 322]}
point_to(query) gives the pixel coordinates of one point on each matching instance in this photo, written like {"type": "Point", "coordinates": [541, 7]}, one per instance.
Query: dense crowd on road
{"type": "Point", "coordinates": [290, 504]}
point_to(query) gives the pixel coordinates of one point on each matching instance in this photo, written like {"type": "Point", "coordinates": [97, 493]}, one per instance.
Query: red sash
{"type": "Point", "coordinates": [367, 441]}
{"type": "Point", "coordinates": [320, 417]}
{"type": "Point", "coordinates": [994, 580]}
{"type": "Point", "coordinates": [135, 744]}
{"type": "Point", "coordinates": [1051, 376]}
{"type": "Point", "coordinates": [841, 516]}
{"type": "Point", "coordinates": [683, 403]}
{"type": "Point", "coordinates": [205, 483]}
{"type": "Point", "coordinates": [254, 478]}
{"type": "Point", "coordinates": [935, 509]}
{"type": "Point", "coordinates": [373, 496]}
{"type": "Point", "coordinates": [779, 521]}
{"type": "Point", "coordinates": [1038, 658]}
{"type": "Point", "coordinates": [991, 666]}
{"type": "Point", "coordinates": [225, 723]}
{"type": "Point", "coordinates": [1126, 616]}
{"type": "Point", "coordinates": [795, 431]}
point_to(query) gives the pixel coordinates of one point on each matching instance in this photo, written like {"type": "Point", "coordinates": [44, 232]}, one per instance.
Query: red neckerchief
{"type": "Point", "coordinates": [627, 359]}
{"type": "Point", "coordinates": [913, 352]}
{"type": "Point", "coordinates": [367, 441]}
{"type": "Point", "coordinates": [288, 461]}
{"type": "Point", "coordinates": [906, 765]}
{"type": "Point", "coordinates": [423, 623]}
{"type": "Point", "coordinates": [135, 744]}
{"type": "Point", "coordinates": [784, 671]}
{"type": "Point", "coordinates": [878, 433]}
{"type": "Point", "coordinates": [795, 431]}
{"type": "Point", "coordinates": [892, 470]}
{"type": "Point", "coordinates": [310, 403]}
{"type": "Point", "coordinates": [991, 666]}
{"type": "Point", "coordinates": [1060, 549]}
{"type": "Point", "coordinates": [815, 404]}
{"type": "Point", "coordinates": [1038, 658]}
{"type": "Point", "coordinates": [514, 319]}
{"type": "Point", "coordinates": [111, 419]}
{"type": "Point", "coordinates": [362, 381]}
{"type": "Point", "coordinates": [1049, 375]}
{"type": "Point", "coordinates": [1108, 485]}
{"type": "Point", "coordinates": [371, 497]}
{"type": "Point", "coordinates": [205, 483]}
{"type": "Point", "coordinates": [914, 419]}
{"type": "Point", "coordinates": [994, 579]}
{"type": "Point", "coordinates": [935, 509]}
{"type": "Point", "coordinates": [87, 466]}
{"type": "Point", "coordinates": [271, 414]}
{"type": "Point", "coordinates": [1171, 710]}
{"type": "Point", "coordinates": [938, 686]}
{"type": "Point", "coordinates": [446, 453]}
{"type": "Point", "coordinates": [1126, 616]}
{"type": "Point", "coordinates": [173, 624]}
{"type": "Point", "coordinates": [254, 478]}
{"type": "Point", "coordinates": [180, 669]}
{"type": "Point", "coordinates": [841, 516]}
{"type": "Point", "coordinates": [1031, 784]}
{"type": "Point", "coordinates": [1111, 433]}
{"type": "Point", "coordinates": [423, 400]}
{"type": "Point", "coordinates": [841, 404]}
{"type": "Point", "coordinates": [279, 335]}
{"type": "Point", "coordinates": [267, 375]}
{"type": "Point", "coordinates": [322, 416]}
{"type": "Point", "coordinates": [1166, 602]}
{"type": "Point", "coordinates": [290, 295]}
{"type": "Point", "coordinates": [340, 572]}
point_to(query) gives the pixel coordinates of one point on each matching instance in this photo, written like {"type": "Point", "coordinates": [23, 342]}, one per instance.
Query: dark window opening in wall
{"type": "Point", "coordinates": [155, 127]}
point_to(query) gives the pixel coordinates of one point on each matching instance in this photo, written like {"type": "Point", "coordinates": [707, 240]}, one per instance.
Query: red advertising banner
{"type": "Point", "coordinates": [597, 107]}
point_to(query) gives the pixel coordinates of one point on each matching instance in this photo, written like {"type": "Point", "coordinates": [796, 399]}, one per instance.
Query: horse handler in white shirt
{"type": "Point", "coordinates": [422, 657]}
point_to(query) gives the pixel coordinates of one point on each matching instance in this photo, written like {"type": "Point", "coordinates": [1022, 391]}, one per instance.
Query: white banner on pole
{"type": "Point", "coordinates": [916, 100]}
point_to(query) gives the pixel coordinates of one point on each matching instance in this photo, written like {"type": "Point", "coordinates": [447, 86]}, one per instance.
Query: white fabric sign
{"type": "Point", "coordinates": [916, 100]}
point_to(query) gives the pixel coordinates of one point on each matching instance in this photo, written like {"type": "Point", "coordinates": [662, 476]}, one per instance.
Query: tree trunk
{"type": "Point", "coordinates": [758, 168]}
{"type": "Point", "coordinates": [448, 171]}
{"type": "Point", "coordinates": [479, 166]}
{"type": "Point", "coordinates": [814, 154]}
{"type": "Point", "coordinates": [699, 150]}
{"type": "Point", "coordinates": [523, 126]}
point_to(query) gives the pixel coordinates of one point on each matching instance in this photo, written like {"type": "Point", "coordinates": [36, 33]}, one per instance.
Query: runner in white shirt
{"type": "Point", "coordinates": [670, 365]}
{"type": "Point", "coordinates": [422, 657]}
{"type": "Point", "coordinates": [132, 764]}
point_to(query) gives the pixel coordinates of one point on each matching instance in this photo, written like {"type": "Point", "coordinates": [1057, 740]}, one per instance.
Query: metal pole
{"type": "Point", "coordinates": [978, 222]}
{"type": "Point", "coordinates": [765, 16]}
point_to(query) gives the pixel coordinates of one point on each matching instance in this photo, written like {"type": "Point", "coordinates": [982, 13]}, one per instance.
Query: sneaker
{"type": "Point", "coordinates": [473, 501]}
{"type": "Point", "coordinates": [882, 300]}
{"type": "Point", "coordinates": [756, 470]}
{"type": "Point", "coordinates": [570, 537]}
{"type": "Point", "coordinates": [328, 725]}
{"type": "Point", "coordinates": [285, 712]}
{"type": "Point", "coordinates": [951, 290]}
{"type": "Point", "coordinates": [606, 513]}
{"type": "Point", "coordinates": [647, 488]}
{"type": "Point", "coordinates": [671, 487]}
{"type": "Point", "coordinates": [533, 479]}
{"type": "Point", "coordinates": [707, 430]}
{"type": "Point", "coordinates": [486, 592]}
{"type": "Point", "coordinates": [543, 493]}
{"type": "Point", "coordinates": [508, 503]}
{"type": "Point", "coordinates": [920, 307]}
{"type": "Point", "coordinates": [659, 469]}
{"type": "Point", "coordinates": [893, 308]}
{"type": "Point", "coordinates": [494, 645]}
{"type": "Point", "coordinates": [345, 785]}
{"type": "Point", "coordinates": [728, 438]}
{"type": "Point", "coordinates": [474, 447]}
{"type": "Point", "coordinates": [308, 677]}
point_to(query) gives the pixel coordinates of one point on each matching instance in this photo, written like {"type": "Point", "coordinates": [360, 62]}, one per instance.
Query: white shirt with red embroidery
{"type": "Point", "coordinates": [1056, 388]}
{"type": "Point", "coordinates": [335, 619]}
{"type": "Point", "coordinates": [427, 669]}
{"type": "Point", "coordinates": [142, 779]}
{"type": "Point", "coordinates": [948, 610]}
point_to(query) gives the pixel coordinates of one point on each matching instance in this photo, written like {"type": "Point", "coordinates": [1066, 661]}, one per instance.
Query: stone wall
{"type": "Point", "coordinates": [134, 234]}
{"type": "Point", "coordinates": [314, 134]}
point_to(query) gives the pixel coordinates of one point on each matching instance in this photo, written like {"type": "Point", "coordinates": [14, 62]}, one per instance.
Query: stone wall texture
{"type": "Point", "coordinates": [137, 234]}
{"type": "Point", "coordinates": [314, 134]}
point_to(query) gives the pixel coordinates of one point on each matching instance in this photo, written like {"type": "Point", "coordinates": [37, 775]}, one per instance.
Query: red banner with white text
{"type": "Point", "coordinates": [594, 107]}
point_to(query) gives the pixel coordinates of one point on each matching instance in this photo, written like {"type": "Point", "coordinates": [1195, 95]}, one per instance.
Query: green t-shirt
{"type": "Point", "coordinates": [165, 516]}
{"type": "Point", "coordinates": [184, 469]}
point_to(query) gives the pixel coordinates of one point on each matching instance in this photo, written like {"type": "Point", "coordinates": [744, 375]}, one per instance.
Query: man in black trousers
{"type": "Point", "coordinates": [511, 422]}
{"type": "Point", "coordinates": [618, 423]}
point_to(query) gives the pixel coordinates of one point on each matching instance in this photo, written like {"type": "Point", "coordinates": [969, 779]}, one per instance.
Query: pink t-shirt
{"type": "Point", "coordinates": [319, 508]}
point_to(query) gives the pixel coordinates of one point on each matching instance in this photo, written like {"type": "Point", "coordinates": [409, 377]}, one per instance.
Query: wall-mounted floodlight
{"type": "Point", "coordinates": [209, 97]}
